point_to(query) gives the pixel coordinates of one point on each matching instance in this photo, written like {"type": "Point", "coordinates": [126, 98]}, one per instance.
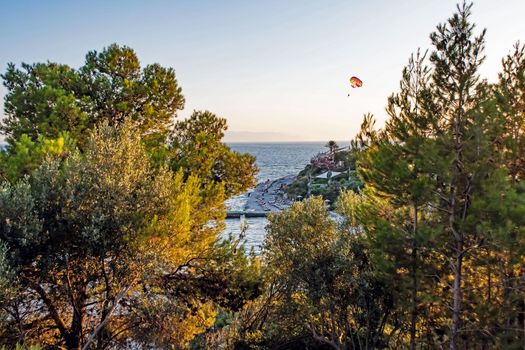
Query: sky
{"type": "Point", "coordinates": [276, 70]}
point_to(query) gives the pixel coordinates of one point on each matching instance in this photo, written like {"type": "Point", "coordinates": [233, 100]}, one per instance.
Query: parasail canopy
{"type": "Point", "coordinates": [355, 82]}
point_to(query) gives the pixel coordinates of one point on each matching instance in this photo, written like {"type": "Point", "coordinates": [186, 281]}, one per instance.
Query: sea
{"type": "Point", "coordinates": [274, 160]}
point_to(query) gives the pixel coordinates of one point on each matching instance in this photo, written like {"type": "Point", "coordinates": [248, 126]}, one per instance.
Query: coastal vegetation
{"type": "Point", "coordinates": [430, 251]}
{"type": "Point", "coordinates": [112, 215]}
{"type": "Point", "coordinates": [328, 175]}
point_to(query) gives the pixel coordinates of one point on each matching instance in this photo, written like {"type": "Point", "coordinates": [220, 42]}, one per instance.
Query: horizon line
{"type": "Point", "coordinates": [286, 141]}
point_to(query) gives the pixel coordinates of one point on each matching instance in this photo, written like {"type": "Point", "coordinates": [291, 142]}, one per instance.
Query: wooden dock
{"type": "Point", "coordinates": [236, 214]}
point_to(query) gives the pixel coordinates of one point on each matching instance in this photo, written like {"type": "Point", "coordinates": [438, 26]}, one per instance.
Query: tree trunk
{"type": "Point", "coordinates": [456, 308]}
{"type": "Point", "coordinates": [72, 341]}
{"type": "Point", "coordinates": [413, 316]}
{"type": "Point", "coordinates": [74, 337]}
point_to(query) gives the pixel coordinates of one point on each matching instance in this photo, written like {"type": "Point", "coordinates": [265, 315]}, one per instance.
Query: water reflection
{"type": "Point", "coordinates": [255, 232]}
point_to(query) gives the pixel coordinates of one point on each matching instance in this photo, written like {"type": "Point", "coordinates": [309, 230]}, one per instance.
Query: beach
{"type": "Point", "coordinates": [267, 197]}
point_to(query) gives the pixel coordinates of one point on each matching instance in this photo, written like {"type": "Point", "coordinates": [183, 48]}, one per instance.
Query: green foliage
{"type": "Point", "coordinates": [106, 227]}
{"type": "Point", "coordinates": [332, 147]}
{"type": "Point", "coordinates": [321, 286]}
{"type": "Point", "coordinates": [441, 181]}
{"type": "Point", "coordinates": [119, 240]}
{"type": "Point", "coordinates": [49, 98]}
{"type": "Point", "coordinates": [347, 157]}
{"type": "Point", "coordinates": [8, 285]}
{"type": "Point", "coordinates": [7, 275]}
{"type": "Point", "coordinates": [119, 237]}
{"type": "Point", "coordinates": [25, 155]}
{"type": "Point", "coordinates": [399, 178]}
{"type": "Point", "coordinates": [196, 148]}
{"type": "Point", "coordinates": [436, 232]}
{"type": "Point", "coordinates": [328, 190]}
{"type": "Point", "coordinates": [510, 101]}
{"type": "Point", "coordinates": [23, 347]}
{"type": "Point", "coordinates": [299, 188]}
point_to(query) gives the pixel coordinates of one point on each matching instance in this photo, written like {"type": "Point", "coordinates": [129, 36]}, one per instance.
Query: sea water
{"type": "Point", "coordinates": [274, 160]}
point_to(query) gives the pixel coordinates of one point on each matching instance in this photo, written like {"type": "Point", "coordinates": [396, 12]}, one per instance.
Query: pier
{"type": "Point", "coordinates": [236, 214]}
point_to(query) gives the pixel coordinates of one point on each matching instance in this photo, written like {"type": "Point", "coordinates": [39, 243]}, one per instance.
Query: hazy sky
{"type": "Point", "coordinates": [276, 69]}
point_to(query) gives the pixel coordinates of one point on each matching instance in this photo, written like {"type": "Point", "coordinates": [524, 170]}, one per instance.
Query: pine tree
{"type": "Point", "coordinates": [510, 96]}
{"type": "Point", "coordinates": [435, 160]}
{"type": "Point", "coordinates": [463, 168]}
{"type": "Point", "coordinates": [395, 169]}
{"type": "Point", "coordinates": [510, 102]}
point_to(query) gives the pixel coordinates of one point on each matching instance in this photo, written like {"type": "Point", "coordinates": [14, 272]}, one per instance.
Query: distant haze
{"type": "Point", "coordinates": [277, 70]}
{"type": "Point", "coordinates": [254, 136]}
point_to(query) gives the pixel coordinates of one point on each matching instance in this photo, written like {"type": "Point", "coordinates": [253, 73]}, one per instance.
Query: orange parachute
{"type": "Point", "coordinates": [356, 82]}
